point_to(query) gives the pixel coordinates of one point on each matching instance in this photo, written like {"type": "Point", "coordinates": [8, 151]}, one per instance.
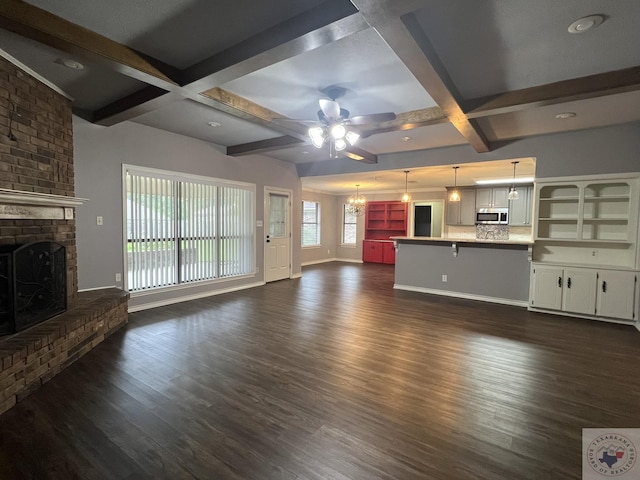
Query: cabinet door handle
{"type": "Point", "coordinates": [604, 286]}
{"type": "Point", "coordinates": [560, 282]}
{"type": "Point", "coordinates": [569, 282]}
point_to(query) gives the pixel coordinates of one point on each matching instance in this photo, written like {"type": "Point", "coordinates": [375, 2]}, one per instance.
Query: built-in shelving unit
{"type": "Point", "coordinates": [383, 220]}
{"type": "Point", "coordinates": [587, 228]}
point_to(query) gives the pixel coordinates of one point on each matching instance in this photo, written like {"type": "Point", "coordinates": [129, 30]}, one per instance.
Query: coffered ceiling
{"type": "Point", "coordinates": [454, 72]}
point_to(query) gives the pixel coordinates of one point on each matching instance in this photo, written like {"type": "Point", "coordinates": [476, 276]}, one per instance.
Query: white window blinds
{"type": "Point", "coordinates": [183, 229]}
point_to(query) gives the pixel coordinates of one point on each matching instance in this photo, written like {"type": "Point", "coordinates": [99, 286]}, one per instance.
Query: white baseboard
{"type": "Point", "coordinates": [196, 296]}
{"type": "Point", "coordinates": [98, 288]}
{"type": "Point", "coordinates": [327, 260]}
{"type": "Point", "coordinates": [468, 296]}
{"type": "Point", "coordinates": [586, 317]}
{"type": "Point", "coordinates": [296, 275]}
{"type": "Point", "coordinates": [316, 262]}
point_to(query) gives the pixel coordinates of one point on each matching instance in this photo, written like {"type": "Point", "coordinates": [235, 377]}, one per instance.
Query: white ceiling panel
{"type": "Point", "coordinates": [375, 80]}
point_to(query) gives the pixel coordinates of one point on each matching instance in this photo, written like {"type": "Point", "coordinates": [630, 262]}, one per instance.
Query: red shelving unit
{"type": "Point", "coordinates": [383, 219]}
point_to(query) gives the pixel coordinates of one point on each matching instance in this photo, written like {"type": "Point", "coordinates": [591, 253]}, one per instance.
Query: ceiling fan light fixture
{"type": "Point", "coordinates": [340, 144]}
{"type": "Point", "coordinates": [352, 137]}
{"type": "Point", "coordinates": [338, 131]}
{"type": "Point", "coordinates": [316, 134]}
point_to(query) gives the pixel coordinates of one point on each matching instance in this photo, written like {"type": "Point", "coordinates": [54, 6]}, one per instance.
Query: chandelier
{"type": "Point", "coordinates": [335, 134]}
{"type": "Point", "coordinates": [356, 204]}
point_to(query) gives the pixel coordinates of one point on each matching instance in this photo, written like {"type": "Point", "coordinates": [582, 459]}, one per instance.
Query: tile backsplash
{"type": "Point", "coordinates": [492, 232]}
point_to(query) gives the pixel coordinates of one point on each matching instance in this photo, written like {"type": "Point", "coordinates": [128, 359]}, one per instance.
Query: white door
{"type": "Point", "coordinates": [277, 251]}
{"type": "Point", "coordinates": [616, 294]}
{"type": "Point", "coordinates": [579, 294]}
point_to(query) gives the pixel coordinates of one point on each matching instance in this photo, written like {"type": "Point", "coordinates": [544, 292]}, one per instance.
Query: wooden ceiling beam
{"type": "Point", "coordinates": [263, 146]}
{"type": "Point", "coordinates": [406, 38]}
{"type": "Point", "coordinates": [592, 86]}
{"type": "Point", "coordinates": [360, 155]}
{"type": "Point", "coordinates": [406, 121]}
{"type": "Point", "coordinates": [37, 24]}
{"type": "Point", "coordinates": [328, 22]}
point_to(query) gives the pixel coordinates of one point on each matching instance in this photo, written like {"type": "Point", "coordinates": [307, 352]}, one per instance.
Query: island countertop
{"type": "Point", "coordinates": [460, 240]}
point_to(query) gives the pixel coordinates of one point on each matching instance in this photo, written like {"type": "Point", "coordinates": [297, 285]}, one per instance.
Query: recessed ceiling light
{"type": "Point", "coordinates": [585, 23]}
{"type": "Point", "coordinates": [213, 124]}
{"type": "Point", "coordinates": [70, 63]}
{"type": "Point", "coordinates": [564, 115]}
{"type": "Point", "coordinates": [304, 152]}
{"type": "Point", "coordinates": [406, 139]}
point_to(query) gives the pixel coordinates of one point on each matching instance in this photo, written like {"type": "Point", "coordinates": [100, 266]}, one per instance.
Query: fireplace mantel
{"type": "Point", "coordinates": [18, 205]}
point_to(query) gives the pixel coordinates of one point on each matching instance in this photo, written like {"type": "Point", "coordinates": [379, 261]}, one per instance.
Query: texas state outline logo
{"type": "Point", "coordinates": [610, 453]}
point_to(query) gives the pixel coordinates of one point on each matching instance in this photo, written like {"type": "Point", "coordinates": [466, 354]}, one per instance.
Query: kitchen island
{"type": "Point", "coordinates": [488, 270]}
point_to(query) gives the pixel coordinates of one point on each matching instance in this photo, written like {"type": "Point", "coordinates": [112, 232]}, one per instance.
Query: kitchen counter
{"type": "Point", "coordinates": [488, 270]}
{"type": "Point", "coordinates": [449, 240]}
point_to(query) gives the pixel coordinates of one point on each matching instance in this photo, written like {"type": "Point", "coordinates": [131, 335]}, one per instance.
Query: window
{"type": "Point", "coordinates": [310, 224]}
{"type": "Point", "coordinates": [349, 227]}
{"type": "Point", "coordinates": [182, 229]}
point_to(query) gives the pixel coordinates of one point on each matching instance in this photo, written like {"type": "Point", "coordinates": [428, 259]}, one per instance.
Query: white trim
{"type": "Point", "coordinates": [316, 262]}
{"type": "Point", "coordinates": [349, 260]}
{"type": "Point", "coordinates": [296, 275]}
{"type": "Point", "coordinates": [98, 288]}
{"type": "Point", "coordinates": [195, 296]}
{"type": "Point", "coordinates": [468, 296]}
{"type": "Point", "coordinates": [579, 178]}
{"type": "Point", "coordinates": [35, 75]}
{"type": "Point", "coordinates": [586, 317]}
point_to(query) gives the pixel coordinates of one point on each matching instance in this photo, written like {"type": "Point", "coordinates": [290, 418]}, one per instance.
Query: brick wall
{"type": "Point", "coordinates": [39, 160]}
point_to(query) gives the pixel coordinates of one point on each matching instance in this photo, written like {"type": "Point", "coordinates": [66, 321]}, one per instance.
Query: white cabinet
{"type": "Point", "coordinates": [565, 289]}
{"type": "Point", "coordinates": [492, 197]}
{"type": "Point", "coordinates": [616, 295]}
{"type": "Point", "coordinates": [464, 211]}
{"type": "Point", "coordinates": [520, 210]}
{"type": "Point", "coordinates": [592, 292]}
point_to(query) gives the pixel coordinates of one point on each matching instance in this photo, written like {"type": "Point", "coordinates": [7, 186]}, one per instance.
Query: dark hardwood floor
{"type": "Point", "coordinates": [332, 376]}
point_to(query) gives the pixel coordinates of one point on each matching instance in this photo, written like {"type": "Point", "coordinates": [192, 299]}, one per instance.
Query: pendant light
{"type": "Point", "coordinates": [513, 193]}
{"type": "Point", "coordinates": [455, 195]}
{"type": "Point", "coordinates": [406, 198]}
{"type": "Point", "coordinates": [356, 204]}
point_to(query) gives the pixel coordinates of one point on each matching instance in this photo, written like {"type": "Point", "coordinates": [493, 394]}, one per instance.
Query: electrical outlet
{"type": "Point", "coordinates": [444, 278]}
{"type": "Point", "coordinates": [99, 220]}
{"type": "Point", "coordinates": [257, 269]}
{"type": "Point", "coordinates": [594, 253]}
{"type": "Point", "coordinates": [328, 252]}
{"type": "Point", "coordinates": [118, 277]}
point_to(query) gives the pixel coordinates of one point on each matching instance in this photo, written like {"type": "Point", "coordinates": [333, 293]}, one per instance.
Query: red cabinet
{"type": "Point", "coordinates": [382, 221]}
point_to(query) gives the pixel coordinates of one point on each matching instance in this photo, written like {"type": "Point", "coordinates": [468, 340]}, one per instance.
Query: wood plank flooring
{"type": "Point", "coordinates": [331, 376]}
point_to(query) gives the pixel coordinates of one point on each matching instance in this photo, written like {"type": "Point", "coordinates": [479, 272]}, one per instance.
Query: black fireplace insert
{"type": "Point", "coordinates": [33, 284]}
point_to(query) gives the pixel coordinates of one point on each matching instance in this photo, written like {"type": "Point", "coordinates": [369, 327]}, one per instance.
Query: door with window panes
{"type": "Point", "coordinates": [277, 237]}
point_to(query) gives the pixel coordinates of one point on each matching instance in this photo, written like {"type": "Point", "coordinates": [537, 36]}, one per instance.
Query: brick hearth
{"type": "Point", "coordinates": [34, 356]}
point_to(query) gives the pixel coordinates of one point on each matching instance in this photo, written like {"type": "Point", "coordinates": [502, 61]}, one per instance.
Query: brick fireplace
{"type": "Point", "coordinates": [37, 204]}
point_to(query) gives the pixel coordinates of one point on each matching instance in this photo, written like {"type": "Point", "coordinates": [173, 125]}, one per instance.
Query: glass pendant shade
{"type": "Point", "coordinates": [316, 134]}
{"type": "Point", "coordinates": [513, 193]}
{"type": "Point", "coordinates": [454, 196]}
{"type": "Point", "coordinates": [406, 198]}
{"type": "Point", "coordinates": [336, 135]}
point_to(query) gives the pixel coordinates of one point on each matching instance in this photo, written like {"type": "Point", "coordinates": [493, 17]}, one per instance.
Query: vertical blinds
{"type": "Point", "coordinates": [186, 229]}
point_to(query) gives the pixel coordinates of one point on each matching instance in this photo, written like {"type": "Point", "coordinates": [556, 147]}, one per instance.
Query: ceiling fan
{"type": "Point", "coordinates": [334, 124]}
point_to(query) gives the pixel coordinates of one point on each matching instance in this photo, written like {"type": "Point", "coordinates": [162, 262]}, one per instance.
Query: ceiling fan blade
{"type": "Point", "coordinates": [373, 118]}
{"type": "Point", "coordinates": [330, 109]}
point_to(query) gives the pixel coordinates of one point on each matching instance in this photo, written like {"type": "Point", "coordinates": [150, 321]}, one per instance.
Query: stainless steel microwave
{"type": "Point", "coordinates": [495, 216]}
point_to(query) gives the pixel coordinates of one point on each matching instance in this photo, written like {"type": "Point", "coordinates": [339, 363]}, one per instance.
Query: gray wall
{"type": "Point", "coordinates": [478, 270]}
{"type": "Point", "coordinates": [329, 235]}
{"type": "Point", "coordinates": [99, 154]}
{"type": "Point", "coordinates": [614, 149]}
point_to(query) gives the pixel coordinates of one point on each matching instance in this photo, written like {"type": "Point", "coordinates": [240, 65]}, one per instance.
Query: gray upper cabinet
{"type": "Point", "coordinates": [492, 197]}
{"type": "Point", "coordinates": [464, 211]}
{"type": "Point", "coordinates": [520, 209]}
